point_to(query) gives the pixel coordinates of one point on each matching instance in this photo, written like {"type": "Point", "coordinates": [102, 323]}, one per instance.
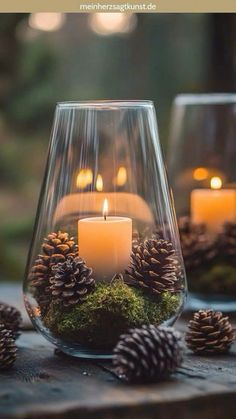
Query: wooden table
{"type": "Point", "coordinates": [45, 385]}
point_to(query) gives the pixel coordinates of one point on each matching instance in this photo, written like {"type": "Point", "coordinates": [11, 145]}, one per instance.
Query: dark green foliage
{"type": "Point", "coordinates": [218, 279]}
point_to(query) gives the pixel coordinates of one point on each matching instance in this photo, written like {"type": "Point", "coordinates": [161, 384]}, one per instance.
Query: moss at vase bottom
{"type": "Point", "coordinates": [107, 313]}
{"type": "Point", "coordinates": [218, 279]}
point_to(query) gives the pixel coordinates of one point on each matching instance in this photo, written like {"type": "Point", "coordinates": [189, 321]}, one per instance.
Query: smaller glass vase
{"type": "Point", "coordinates": [202, 169]}
{"type": "Point", "coordinates": [105, 255]}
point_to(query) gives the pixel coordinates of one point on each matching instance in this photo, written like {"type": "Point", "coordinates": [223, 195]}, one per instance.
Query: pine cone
{"type": "Point", "coordinates": [148, 354]}
{"type": "Point", "coordinates": [155, 267]}
{"type": "Point", "coordinates": [55, 248]}
{"type": "Point", "coordinates": [227, 242]}
{"type": "Point", "coordinates": [71, 281]}
{"type": "Point", "coordinates": [7, 348]}
{"type": "Point", "coordinates": [11, 318]}
{"type": "Point", "coordinates": [198, 247]}
{"type": "Point", "coordinates": [209, 333]}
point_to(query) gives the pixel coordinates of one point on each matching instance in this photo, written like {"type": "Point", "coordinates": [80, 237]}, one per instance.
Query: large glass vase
{"type": "Point", "coordinates": [105, 254]}
{"type": "Point", "coordinates": [202, 152]}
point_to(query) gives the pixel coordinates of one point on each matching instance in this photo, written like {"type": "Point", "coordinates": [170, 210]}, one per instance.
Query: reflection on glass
{"type": "Point", "coordinates": [99, 183]}
{"type": "Point", "coordinates": [84, 178]}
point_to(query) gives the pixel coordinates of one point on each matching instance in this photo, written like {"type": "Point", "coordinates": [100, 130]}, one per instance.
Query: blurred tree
{"type": "Point", "coordinates": [9, 49]}
{"type": "Point", "coordinates": [222, 64]}
{"type": "Point", "coordinates": [32, 96]}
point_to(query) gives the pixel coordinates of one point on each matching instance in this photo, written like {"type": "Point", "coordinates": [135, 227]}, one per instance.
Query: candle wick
{"type": "Point", "coordinates": [105, 217]}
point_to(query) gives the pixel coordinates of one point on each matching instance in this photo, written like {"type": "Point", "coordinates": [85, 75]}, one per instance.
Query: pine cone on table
{"type": "Point", "coordinates": [209, 333]}
{"type": "Point", "coordinates": [198, 247]}
{"type": "Point", "coordinates": [71, 281]}
{"type": "Point", "coordinates": [148, 354]}
{"type": "Point", "coordinates": [155, 266]}
{"type": "Point", "coordinates": [56, 247]}
{"type": "Point", "coordinates": [227, 242]}
{"type": "Point", "coordinates": [11, 318]}
{"type": "Point", "coordinates": [7, 348]}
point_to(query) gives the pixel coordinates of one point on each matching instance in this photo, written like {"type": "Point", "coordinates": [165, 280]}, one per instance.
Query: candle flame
{"type": "Point", "coordinates": [200, 173]}
{"type": "Point", "coordinates": [99, 183]}
{"type": "Point", "coordinates": [121, 178]}
{"type": "Point", "coordinates": [216, 182]}
{"type": "Point", "coordinates": [105, 208]}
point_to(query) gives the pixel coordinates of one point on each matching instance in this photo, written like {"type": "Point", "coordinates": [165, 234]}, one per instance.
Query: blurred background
{"type": "Point", "coordinates": [46, 58]}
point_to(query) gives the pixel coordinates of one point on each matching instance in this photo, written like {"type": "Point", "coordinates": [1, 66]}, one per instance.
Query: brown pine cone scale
{"type": "Point", "coordinates": [56, 248]}
{"type": "Point", "coordinates": [209, 332]}
{"type": "Point", "coordinates": [11, 318]}
{"type": "Point", "coordinates": [155, 266]}
{"type": "Point", "coordinates": [7, 348]}
{"type": "Point", "coordinates": [71, 281]}
{"type": "Point", "coordinates": [148, 354]}
{"type": "Point", "coordinates": [198, 248]}
{"type": "Point", "coordinates": [227, 242]}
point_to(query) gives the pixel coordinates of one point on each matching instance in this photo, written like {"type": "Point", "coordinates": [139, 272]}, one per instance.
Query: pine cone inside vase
{"type": "Point", "coordinates": [209, 333]}
{"type": "Point", "coordinates": [11, 318]}
{"type": "Point", "coordinates": [227, 242]}
{"type": "Point", "coordinates": [56, 247]}
{"type": "Point", "coordinates": [7, 348]}
{"type": "Point", "coordinates": [71, 281]}
{"type": "Point", "coordinates": [198, 247]}
{"type": "Point", "coordinates": [155, 266]}
{"type": "Point", "coordinates": [148, 354]}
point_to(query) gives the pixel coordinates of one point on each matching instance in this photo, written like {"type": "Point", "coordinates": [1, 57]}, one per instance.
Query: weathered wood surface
{"type": "Point", "coordinates": [43, 385]}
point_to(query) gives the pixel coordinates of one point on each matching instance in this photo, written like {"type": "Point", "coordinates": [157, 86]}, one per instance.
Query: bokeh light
{"type": "Point", "coordinates": [200, 173]}
{"type": "Point", "coordinates": [46, 21]}
{"type": "Point", "coordinates": [112, 23]}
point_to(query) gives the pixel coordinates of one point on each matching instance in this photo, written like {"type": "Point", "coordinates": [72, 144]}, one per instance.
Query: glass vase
{"type": "Point", "coordinates": [202, 169]}
{"type": "Point", "coordinates": [105, 254]}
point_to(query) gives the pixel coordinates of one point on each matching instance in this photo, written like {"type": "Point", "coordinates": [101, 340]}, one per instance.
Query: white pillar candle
{"type": "Point", "coordinates": [213, 206]}
{"type": "Point", "coordinates": [105, 243]}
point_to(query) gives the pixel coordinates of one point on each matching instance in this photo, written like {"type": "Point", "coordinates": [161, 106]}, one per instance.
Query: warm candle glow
{"type": "Point", "coordinates": [105, 208]}
{"type": "Point", "coordinates": [214, 206]}
{"type": "Point", "coordinates": [84, 178]}
{"type": "Point", "coordinates": [105, 243]}
{"type": "Point", "coordinates": [216, 182]}
{"type": "Point", "coordinates": [121, 178]}
{"type": "Point", "coordinates": [99, 183]}
{"type": "Point", "coordinates": [200, 173]}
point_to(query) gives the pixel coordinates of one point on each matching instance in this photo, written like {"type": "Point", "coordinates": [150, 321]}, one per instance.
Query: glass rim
{"type": "Point", "coordinates": [205, 98]}
{"type": "Point", "coordinates": [105, 104]}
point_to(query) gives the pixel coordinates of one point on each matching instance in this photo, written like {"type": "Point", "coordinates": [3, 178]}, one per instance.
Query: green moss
{"type": "Point", "coordinates": [219, 279]}
{"type": "Point", "coordinates": [159, 312]}
{"type": "Point", "coordinates": [107, 313]}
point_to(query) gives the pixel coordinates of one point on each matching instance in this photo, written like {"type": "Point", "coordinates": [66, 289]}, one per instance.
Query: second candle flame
{"type": "Point", "coordinates": [105, 209]}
